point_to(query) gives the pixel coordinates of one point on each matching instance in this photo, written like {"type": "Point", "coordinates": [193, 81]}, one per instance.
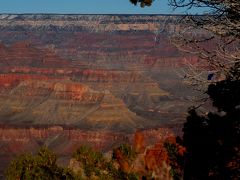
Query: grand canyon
{"type": "Point", "coordinates": [67, 80]}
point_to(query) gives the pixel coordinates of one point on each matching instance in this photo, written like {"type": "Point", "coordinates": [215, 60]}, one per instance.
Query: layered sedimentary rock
{"type": "Point", "coordinates": [53, 136]}
{"type": "Point", "coordinates": [46, 89]}
{"type": "Point", "coordinates": [88, 79]}
{"type": "Point", "coordinates": [64, 102]}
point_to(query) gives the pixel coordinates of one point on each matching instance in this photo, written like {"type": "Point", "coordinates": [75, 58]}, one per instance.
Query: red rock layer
{"type": "Point", "coordinates": [23, 54]}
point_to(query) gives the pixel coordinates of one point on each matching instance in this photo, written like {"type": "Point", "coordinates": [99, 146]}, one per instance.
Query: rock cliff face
{"type": "Point", "coordinates": [60, 69]}
{"type": "Point", "coordinates": [39, 87]}
{"type": "Point", "coordinates": [104, 75]}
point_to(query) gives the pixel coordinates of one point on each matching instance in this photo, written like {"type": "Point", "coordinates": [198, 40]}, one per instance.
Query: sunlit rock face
{"type": "Point", "coordinates": [110, 73]}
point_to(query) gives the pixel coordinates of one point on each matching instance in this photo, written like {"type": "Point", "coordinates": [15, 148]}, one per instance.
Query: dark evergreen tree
{"type": "Point", "coordinates": [213, 141]}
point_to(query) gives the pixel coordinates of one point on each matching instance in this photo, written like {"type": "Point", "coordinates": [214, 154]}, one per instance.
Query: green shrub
{"type": "Point", "coordinates": [41, 166]}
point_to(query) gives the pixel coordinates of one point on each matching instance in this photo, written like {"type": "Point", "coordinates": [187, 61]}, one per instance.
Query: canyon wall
{"type": "Point", "coordinates": [129, 57]}
{"type": "Point", "coordinates": [67, 80]}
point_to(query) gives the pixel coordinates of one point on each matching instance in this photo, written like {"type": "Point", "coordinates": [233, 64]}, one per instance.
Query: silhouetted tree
{"type": "Point", "coordinates": [142, 3]}
{"type": "Point", "coordinates": [212, 141]}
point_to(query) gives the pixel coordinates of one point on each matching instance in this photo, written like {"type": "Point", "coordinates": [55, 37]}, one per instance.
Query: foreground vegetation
{"type": "Point", "coordinates": [41, 166]}
{"type": "Point", "coordinates": [87, 164]}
